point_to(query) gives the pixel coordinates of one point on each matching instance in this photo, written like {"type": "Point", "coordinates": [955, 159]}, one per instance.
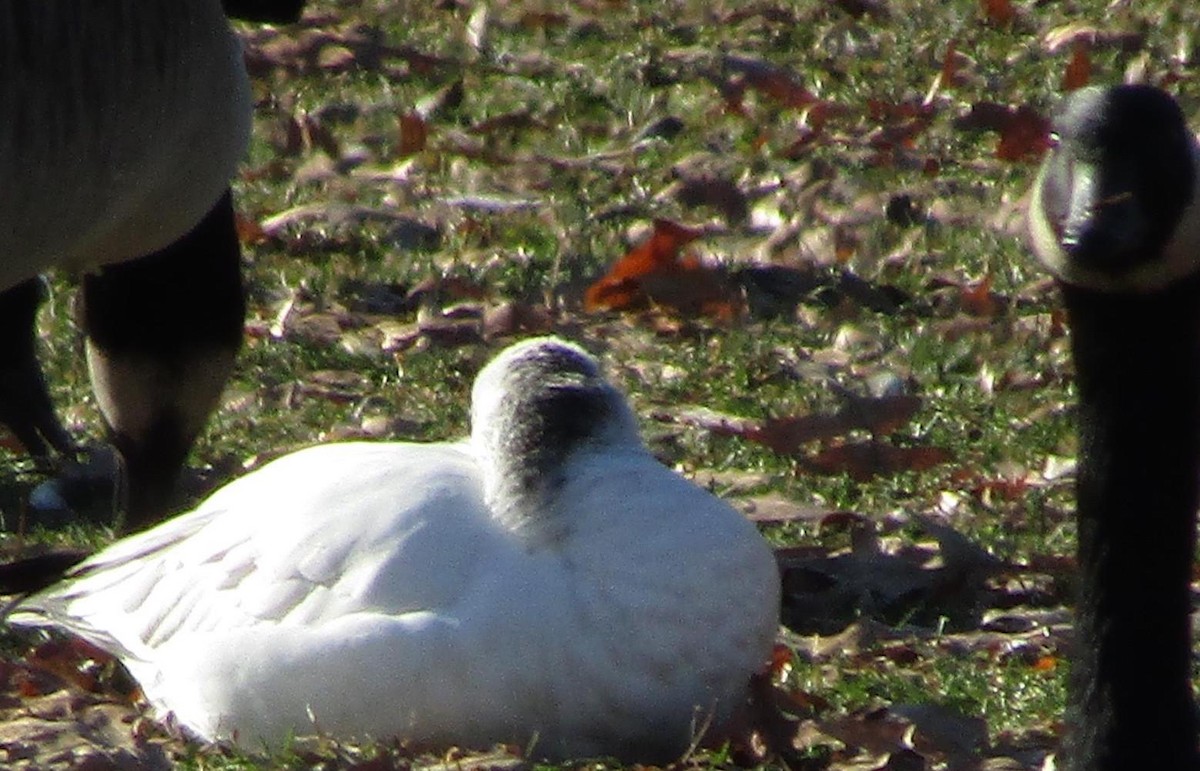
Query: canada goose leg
{"type": "Point", "coordinates": [25, 405]}
{"type": "Point", "coordinates": [163, 332]}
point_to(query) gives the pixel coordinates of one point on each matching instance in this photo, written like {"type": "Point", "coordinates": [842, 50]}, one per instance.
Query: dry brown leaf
{"type": "Point", "coordinates": [543, 20]}
{"type": "Point", "coordinates": [879, 415]}
{"type": "Point", "coordinates": [340, 386]}
{"type": "Point", "coordinates": [719, 423]}
{"type": "Point", "coordinates": [716, 192]}
{"type": "Point", "coordinates": [451, 332]}
{"type": "Point", "coordinates": [249, 232]}
{"type": "Point", "coordinates": [1079, 69]}
{"type": "Point", "coordinates": [951, 64]}
{"type": "Point", "coordinates": [444, 290]}
{"type": "Point", "coordinates": [998, 12]}
{"type": "Point", "coordinates": [1024, 133]}
{"type": "Point", "coordinates": [515, 120]}
{"type": "Point", "coordinates": [336, 58]}
{"type": "Point", "coordinates": [774, 82]}
{"type": "Point", "coordinates": [775, 509]}
{"type": "Point", "coordinates": [786, 436]}
{"type": "Point", "coordinates": [414, 134]}
{"type": "Point", "coordinates": [978, 300]}
{"type": "Point", "coordinates": [513, 317]}
{"type": "Point", "coordinates": [1025, 137]}
{"type": "Point", "coordinates": [876, 9]}
{"type": "Point", "coordinates": [863, 461]}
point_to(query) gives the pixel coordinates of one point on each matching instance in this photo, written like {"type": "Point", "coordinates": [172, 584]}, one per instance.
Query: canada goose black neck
{"type": "Point", "coordinates": [1113, 217]}
{"type": "Point", "coordinates": [1137, 362]}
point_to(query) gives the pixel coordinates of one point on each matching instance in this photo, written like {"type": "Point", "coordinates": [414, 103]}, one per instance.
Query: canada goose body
{"type": "Point", "coordinates": [124, 122]}
{"type": "Point", "coordinates": [1114, 216]}
{"type": "Point", "coordinates": [546, 583]}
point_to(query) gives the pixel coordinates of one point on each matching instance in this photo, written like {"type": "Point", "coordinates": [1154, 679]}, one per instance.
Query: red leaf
{"type": "Point", "coordinates": [1079, 69]}
{"type": "Point", "coordinates": [1025, 137]}
{"type": "Point", "coordinates": [950, 66]}
{"type": "Point", "coordinates": [863, 461]}
{"type": "Point", "coordinates": [785, 436]}
{"type": "Point", "coordinates": [1007, 489]}
{"type": "Point", "coordinates": [999, 12]}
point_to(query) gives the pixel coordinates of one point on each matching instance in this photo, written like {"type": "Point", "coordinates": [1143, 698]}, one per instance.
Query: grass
{"type": "Point", "coordinates": [568, 90]}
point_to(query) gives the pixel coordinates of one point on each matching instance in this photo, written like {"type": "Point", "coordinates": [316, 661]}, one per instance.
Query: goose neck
{"type": "Point", "coordinates": [1137, 359]}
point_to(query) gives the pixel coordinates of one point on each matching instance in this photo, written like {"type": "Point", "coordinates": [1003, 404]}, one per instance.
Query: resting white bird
{"type": "Point", "coordinates": [545, 583]}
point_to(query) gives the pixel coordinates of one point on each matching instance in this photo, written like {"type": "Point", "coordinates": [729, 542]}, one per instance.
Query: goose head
{"type": "Point", "coordinates": [536, 410]}
{"type": "Point", "coordinates": [1113, 204]}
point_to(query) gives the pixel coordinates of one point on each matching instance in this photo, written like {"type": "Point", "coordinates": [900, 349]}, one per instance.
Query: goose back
{"type": "Point", "coordinates": [123, 121]}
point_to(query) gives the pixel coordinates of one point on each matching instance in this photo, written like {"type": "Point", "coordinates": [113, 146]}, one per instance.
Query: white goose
{"type": "Point", "coordinates": [123, 123]}
{"type": "Point", "coordinates": [546, 582]}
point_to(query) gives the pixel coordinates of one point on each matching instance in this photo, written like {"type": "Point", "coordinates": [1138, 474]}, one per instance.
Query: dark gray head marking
{"type": "Point", "coordinates": [538, 406]}
{"type": "Point", "coordinates": [559, 401]}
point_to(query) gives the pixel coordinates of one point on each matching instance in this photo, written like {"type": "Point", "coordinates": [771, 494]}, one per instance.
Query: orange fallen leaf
{"type": "Point", "coordinates": [656, 272]}
{"type": "Point", "coordinates": [977, 299]}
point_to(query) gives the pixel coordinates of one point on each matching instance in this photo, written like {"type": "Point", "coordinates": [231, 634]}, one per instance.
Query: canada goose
{"type": "Point", "coordinates": [545, 582]}
{"type": "Point", "coordinates": [1114, 217]}
{"type": "Point", "coordinates": [124, 123]}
